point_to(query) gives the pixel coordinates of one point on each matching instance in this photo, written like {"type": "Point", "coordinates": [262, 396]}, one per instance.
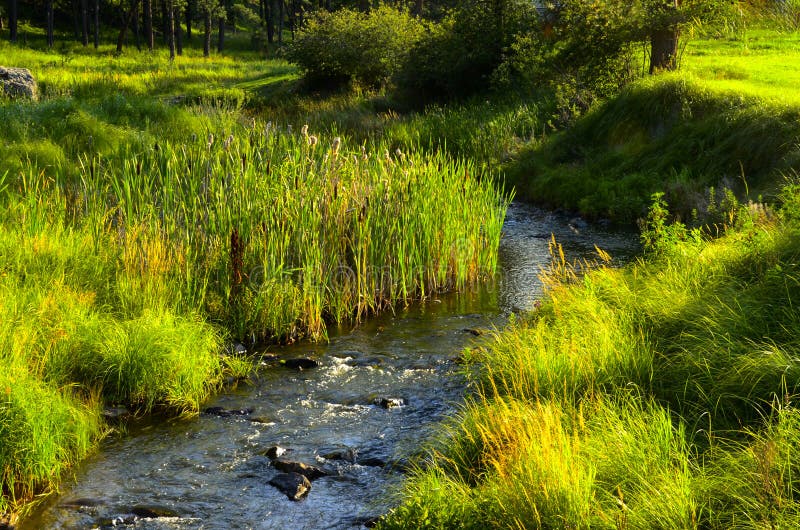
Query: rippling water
{"type": "Point", "coordinates": [207, 472]}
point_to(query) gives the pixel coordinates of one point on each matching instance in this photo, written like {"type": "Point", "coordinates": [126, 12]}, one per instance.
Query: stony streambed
{"type": "Point", "coordinates": [358, 414]}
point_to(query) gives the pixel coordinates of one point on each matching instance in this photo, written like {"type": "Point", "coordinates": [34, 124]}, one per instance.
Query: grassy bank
{"type": "Point", "coordinates": [728, 120]}
{"type": "Point", "coordinates": [662, 395]}
{"type": "Point", "coordinates": [149, 218]}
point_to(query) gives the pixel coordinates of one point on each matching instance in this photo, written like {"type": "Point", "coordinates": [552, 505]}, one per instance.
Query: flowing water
{"type": "Point", "coordinates": [209, 472]}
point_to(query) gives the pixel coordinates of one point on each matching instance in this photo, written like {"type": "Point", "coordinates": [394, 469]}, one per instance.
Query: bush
{"type": "Point", "coordinates": [460, 55]}
{"type": "Point", "coordinates": [350, 46]}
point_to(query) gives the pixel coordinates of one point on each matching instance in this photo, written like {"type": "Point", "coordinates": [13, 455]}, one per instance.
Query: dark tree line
{"type": "Point", "coordinates": [89, 21]}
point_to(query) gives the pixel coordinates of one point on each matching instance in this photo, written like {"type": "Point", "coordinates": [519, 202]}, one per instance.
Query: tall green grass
{"type": "Point", "coordinates": [146, 220]}
{"type": "Point", "coordinates": [121, 279]}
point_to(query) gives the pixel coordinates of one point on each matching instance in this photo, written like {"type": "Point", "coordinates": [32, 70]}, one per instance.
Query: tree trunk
{"type": "Point", "coordinates": [418, 7]}
{"type": "Point", "coordinates": [49, 13]}
{"type": "Point", "coordinates": [664, 50]}
{"type": "Point", "coordinates": [136, 28]}
{"type": "Point", "coordinates": [171, 29]}
{"type": "Point", "coordinates": [12, 21]}
{"type": "Point", "coordinates": [269, 7]}
{"type": "Point", "coordinates": [664, 41]}
{"type": "Point", "coordinates": [164, 22]}
{"type": "Point", "coordinates": [178, 33]}
{"type": "Point", "coordinates": [96, 24]}
{"type": "Point", "coordinates": [76, 17]}
{"type": "Point", "coordinates": [85, 22]}
{"type": "Point", "coordinates": [221, 32]}
{"type": "Point", "coordinates": [207, 32]}
{"type": "Point", "coordinates": [125, 23]}
{"type": "Point", "coordinates": [189, 14]}
{"type": "Point", "coordinates": [148, 23]}
{"type": "Point", "coordinates": [280, 21]}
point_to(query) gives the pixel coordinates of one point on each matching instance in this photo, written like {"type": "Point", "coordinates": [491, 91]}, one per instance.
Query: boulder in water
{"type": "Point", "coordinates": [18, 82]}
{"type": "Point", "coordinates": [224, 413]}
{"type": "Point", "coordinates": [293, 485]}
{"type": "Point", "coordinates": [390, 403]}
{"type": "Point", "coordinates": [275, 452]}
{"type": "Point", "coordinates": [307, 470]}
{"type": "Point", "coordinates": [300, 364]}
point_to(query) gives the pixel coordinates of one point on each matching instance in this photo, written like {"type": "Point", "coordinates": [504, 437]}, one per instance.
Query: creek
{"type": "Point", "coordinates": [210, 472]}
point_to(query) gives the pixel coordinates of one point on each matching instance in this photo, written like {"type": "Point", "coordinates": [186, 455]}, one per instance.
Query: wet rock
{"type": "Point", "coordinates": [269, 358]}
{"type": "Point", "coordinates": [300, 364]}
{"type": "Point", "coordinates": [224, 413]}
{"type": "Point", "coordinates": [153, 511]}
{"type": "Point", "coordinates": [307, 470]}
{"type": "Point", "coordinates": [371, 462]}
{"type": "Point", "coordinates": [366, 522]}
{"type": "Point", "coordinates": [116, 415]}
{"type": "Point", "coordinates": [83, 502]}
{"type": "Point", "coordinates": [18, 82]}
{"type": "Point", "coordinates": [274, 452]}
{"type": "Point", "coordinates": [345, 455]}
{"type": "Point", "coordinates": [369, 362]}
{"type": "Point", "coordinates": [390, 403]}
{"type": "Point", "coordinates": [237, 349]}
{"type": "Point", "coordinates": [293, 485]}
{"type": "Point", "coordinates": [5, 524]}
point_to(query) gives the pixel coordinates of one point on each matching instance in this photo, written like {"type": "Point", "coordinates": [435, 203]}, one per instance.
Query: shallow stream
{"type": "Point", "coordinates": [209, 472]}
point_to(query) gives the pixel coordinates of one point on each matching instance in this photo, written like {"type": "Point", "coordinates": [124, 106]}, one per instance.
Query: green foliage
{"type": "Point", "coordinates": [461, 54]}
{"type": "Point", "coordinates": [351, 46]}
{"type": "Point", "coordinates": [658, 234]}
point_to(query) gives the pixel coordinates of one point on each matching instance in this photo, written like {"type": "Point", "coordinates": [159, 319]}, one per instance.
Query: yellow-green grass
{"type": "Point", "coordinates": [661, 395]}
{"type": "Point", "coordinates": [759, 62]}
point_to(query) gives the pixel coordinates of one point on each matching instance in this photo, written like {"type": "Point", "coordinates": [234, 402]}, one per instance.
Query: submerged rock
{"type": "Point", "coordinates": [83, 502]}
{"type": "Point", "coordinates": [371, 461]}
{"type": "Point", "coordinates": [18, 82]}
{"type": "Point", "coordinates": [116, 414]}
{"type": "Point", "coordinates": [307, 470]}
{"type": "Point", "coordinates": [345, 455]}
{"type": "Point", "coordinates": [275, 451]}
{"type": "Point", "coordinates": [300, 364]}
{"type": "Point", "coordinates": [390, 403]}
{"type": "Point", "coordinates": [293, 485]}
{"type": "Point", "coordinates": [5, 524]}
{"type": "Point", "coordinates": [474, 331]}
{"type": "Point", "coordinates": [153, 511]}
{"type": "Point", "coordinates": [224, 413]}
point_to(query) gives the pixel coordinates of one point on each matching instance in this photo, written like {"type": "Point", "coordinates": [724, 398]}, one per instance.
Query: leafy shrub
{"type": "Point", "coordinates": [344, 46]}
{"type": "Point", "coordinates": [460, 55]}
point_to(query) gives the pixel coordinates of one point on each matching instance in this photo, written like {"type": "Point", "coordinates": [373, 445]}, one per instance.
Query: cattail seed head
{"type": "Point", "coordinates": [312, 140]}
{"type": "Point", "coordinates": [337, 142]}
{"type": "Point", "coordinates": [304, 131]}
